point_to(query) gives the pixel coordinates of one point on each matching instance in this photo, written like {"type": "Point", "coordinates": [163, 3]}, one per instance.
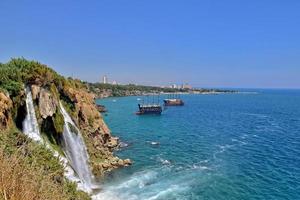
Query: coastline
{"type": "Point", "coordinates": [107, 94]}
{"type": "Point", "coordinates": [216, 133]}
{"type": "Point", "coordinates": [37, 102]}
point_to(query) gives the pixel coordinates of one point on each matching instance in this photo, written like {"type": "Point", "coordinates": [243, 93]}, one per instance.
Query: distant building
{"type": "Point", "coordinates": [181, 86]}
{"type": "Point", "coordinates": [104, 79]}
{"type": "Point", "coordinates": [114, 83]}
{"type": "Point", "coordinates": [186, 86]}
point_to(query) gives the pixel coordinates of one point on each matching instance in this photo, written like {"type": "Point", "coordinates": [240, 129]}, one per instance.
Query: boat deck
{"type": "Point", "coordinates": [149, 109]}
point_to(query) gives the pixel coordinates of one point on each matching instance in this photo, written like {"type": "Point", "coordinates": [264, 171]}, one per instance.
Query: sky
{"type": "Point", "coordinates": [207, 43]}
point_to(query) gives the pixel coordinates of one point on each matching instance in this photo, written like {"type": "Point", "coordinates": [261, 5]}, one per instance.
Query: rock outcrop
{"type": "Point", "coordinates": [47, 103]}
{"type": "Point", "coordinates": [82, 108]}
{"type": "Point", "coordinates": [5, 109]}
{"type": "Point", "coordinates": [49, 89]}
{"type": "Point", "coordinates": [99, 141]}
{"type": "Point", "coordinates": [103, 93]}
{"type": "Point", "coordinates": [35, 90]}
{"type": "Point", "coordinates": [101, 108]}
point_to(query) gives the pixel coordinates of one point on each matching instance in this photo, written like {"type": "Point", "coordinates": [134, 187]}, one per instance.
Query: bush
{"type": "Point", "coordinates": [19, 71]}
{"type": "Point", "coordinates": [59, 122]}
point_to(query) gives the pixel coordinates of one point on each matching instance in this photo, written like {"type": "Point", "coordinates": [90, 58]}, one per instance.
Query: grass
{"type": "Point", "coordinates": [19, 181]}
{"type": "Point", "coordinates": [28, 171]}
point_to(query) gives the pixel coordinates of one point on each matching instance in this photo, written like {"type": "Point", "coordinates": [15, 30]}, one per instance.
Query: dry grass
{"type": "Point", "coordinates": [19, 181]}
{"type": "Point", "coordinates": [30, 172]}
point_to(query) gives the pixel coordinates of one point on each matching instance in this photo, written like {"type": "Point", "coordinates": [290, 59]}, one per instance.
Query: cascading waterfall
{"type": "Point", "coordinates": [76, 152]}
{"type": "Point", "coordinates": [30, 125]}
{"type": "Point", "coordinates": [31, 129]}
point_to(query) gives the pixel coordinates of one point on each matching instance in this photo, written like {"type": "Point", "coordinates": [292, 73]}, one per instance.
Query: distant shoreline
{"type": "Point", "coordinates": [180, 93]}
{"type": "Point", "coordinates": [108, 90]}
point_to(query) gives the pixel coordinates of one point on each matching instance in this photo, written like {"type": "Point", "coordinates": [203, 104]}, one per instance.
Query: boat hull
{"type": "Point", "coordinates": [146, 110]}
{"type": "Point", "coordinates": [173, 102]}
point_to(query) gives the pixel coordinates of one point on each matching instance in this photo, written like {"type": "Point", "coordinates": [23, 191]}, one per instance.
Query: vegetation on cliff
{"type": "Point", "coordinates": [17, 72]}
{"type": "Point", "coordinates": [28, 171]}
{"type": "Point", "coordinates": [16, 151]}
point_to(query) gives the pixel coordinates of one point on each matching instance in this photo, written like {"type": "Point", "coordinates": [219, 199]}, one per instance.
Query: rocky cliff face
{"type": "Point", "coordinates": [48, 90]}
{"type": "Point", "coordinates": [82, 108]}
{"type": "Point", "coordinates": [47, 103]}
{"type": "Point", "coordinates": [5, 109]}
{"type": "Point", "coordinates": [100, 143]}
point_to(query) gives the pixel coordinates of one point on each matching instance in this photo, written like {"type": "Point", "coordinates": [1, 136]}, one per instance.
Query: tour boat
{"type": "Point", "coordinates": [173, 100]}
{"type": "Point", "coordinates": [149, 107]}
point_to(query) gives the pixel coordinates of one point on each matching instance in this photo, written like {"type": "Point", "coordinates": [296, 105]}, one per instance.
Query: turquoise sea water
{"type": "Point", "coordinates": [228, 146]}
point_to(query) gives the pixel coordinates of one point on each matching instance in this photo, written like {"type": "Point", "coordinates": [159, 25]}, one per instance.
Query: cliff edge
{"type": "Point", "coordinates": [49, 89]}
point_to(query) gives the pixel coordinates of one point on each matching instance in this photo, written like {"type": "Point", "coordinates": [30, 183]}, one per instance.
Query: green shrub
{"type": "Point", "coordinates": [58, 121]}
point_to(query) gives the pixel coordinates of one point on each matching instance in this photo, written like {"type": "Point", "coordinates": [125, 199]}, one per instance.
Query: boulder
{"type": "Point", "coordinates": [127, 162]}
{"type": "Point", "coordinates": [101, 108]}
{"type": "Point", "coordinates": [113, 142]}
{"type": "Point", "coordinates": [47, 103]}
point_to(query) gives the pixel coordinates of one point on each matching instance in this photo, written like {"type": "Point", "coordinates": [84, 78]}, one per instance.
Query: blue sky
{"type": "Point", "coordinates": [232, 43]}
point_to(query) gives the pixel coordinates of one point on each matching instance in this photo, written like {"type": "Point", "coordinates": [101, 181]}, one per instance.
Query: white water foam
{"type": "Point", "coordinates": [31, 129]}
{"type": "Point", "coordinates": [164, 161]}
{"type": "Point", "coordinates": [30, 125]}
{"type": "Point", "coordinates": [76, 153]}
{"type": "Point", "coordinates": [126, 189]}
{"type": "Point", "coordinates": [150, 184]}
{"type": "Point", "coordinates": [163, 194]}
{"type": "Point", "coordinates": [143, 185]}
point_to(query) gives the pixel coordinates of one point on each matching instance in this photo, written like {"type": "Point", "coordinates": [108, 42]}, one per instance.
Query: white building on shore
{"type": "Point", "coordinates": [104, 79]}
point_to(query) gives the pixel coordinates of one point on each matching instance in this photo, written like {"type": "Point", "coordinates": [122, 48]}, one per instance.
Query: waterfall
{"type": "Point", "coordinates": [31, 129]}
{"type": "Point", "coordinates": [30, 125]}
{"type": "Point", "coordinates": [76, 152]}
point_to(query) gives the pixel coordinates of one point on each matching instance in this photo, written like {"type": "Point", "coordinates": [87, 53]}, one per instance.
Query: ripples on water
{"type": "Point", "coordinates": [215, 147]}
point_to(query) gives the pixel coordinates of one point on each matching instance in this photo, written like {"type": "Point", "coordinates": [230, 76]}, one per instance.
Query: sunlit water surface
{"type": "Point", "coordinates": [228, 146]}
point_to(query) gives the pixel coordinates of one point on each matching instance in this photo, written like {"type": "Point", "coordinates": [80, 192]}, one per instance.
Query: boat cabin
{"type": "Point", "coordinates": [149, 107]}
{"type": "Point", "coordinates": [173, 100]}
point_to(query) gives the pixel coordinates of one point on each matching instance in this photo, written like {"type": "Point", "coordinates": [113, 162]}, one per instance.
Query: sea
{"type": "Point", "coordinates": [235, 146]}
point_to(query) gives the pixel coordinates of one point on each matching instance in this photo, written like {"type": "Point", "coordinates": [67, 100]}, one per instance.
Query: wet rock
{"type": "Point", "coordinates": [101, 108]}
{"type": "Point", "coordinates": [127, 162]}
{"type": "Point", "coordinates": [120, 162]}
{"type": "Point", "coordinates": [113, 142]}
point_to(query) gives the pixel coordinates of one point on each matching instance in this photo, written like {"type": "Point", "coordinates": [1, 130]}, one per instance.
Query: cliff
{"type": "Point", "coordinates": [48, 90]}
{"type": "Point", "coordinates": [28, 170]}
{"type": "Point", "coordinates": [5, 109]}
